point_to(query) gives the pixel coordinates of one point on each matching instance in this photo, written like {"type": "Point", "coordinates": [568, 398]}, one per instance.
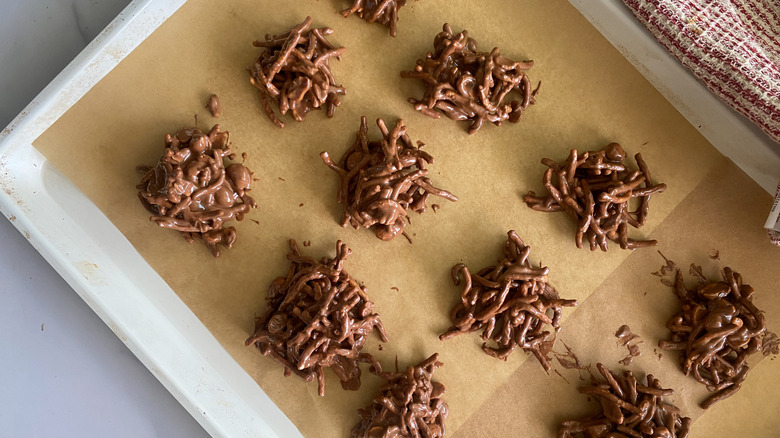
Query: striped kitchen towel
{"type": "Point", "coordinates": [732, 46]}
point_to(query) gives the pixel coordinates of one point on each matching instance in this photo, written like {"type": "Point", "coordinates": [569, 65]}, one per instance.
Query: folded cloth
{"type": "Point", "coordinates": [732, 46]}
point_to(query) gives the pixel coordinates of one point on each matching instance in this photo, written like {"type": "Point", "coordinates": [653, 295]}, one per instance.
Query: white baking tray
{"type": "Point", "coordinates": [114, 280]}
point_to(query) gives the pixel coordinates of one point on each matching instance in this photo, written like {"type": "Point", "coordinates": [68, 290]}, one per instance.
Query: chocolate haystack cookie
{"type": "Point", "coordinates": [293, 72]}
{"type": "Point", "coordinates": [377, 11]}
{"type": "Point", "coordinates": [629, 409]}
{"type": "Point", "coordinates": [192, 191]}
{"type": "Point", "coordinates": [318, 316]}
{"type": "Point", "coordinates": [409, 405]}
{"type": "Point", "coordinates": [512, 303]}
{"type": "Point", "coordinates": [717, 329]}
{"type": "Point", "coordinates": [380, 181]}
{"type": "Point", "coordinates": [466, 84]}
{"type": "Point", "coordinates": [595, 190]}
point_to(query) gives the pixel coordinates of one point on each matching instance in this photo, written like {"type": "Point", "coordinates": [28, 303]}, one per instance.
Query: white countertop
{"type": "Point", "coordinates": [63, 372]}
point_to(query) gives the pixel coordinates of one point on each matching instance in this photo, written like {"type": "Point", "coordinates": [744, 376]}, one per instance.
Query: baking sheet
{"type": "Point", "coordinates": [590, 96]}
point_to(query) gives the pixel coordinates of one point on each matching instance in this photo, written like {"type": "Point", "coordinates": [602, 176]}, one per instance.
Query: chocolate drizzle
{"type": "Point", "coordinates": [190, 190]}
{"type": "Point", "coordinates": [770, 344]}
{"type": "Point", "coordinates": [595, 189]}
{"type": "Point", "coordinates": [380, 181]}
{"type": "Point", "coordinates": [629, 409]}
{"type": "Point", "coordinates": [377, 11]}
{"type": "Point", "coordinates": [293, 72]}
{"type": "Point", "coordinates": [410, 404]}
{"type": "Point", "coordinates": [466, 84]}
{"type": "Point", "coordinates": [512, 303]}
{"type": "Point", "coordinates": [318, 316]}
{"type": "Point", "coordinates": [626, 339]}
{"type": "Point", "coordinates": [716, 330]}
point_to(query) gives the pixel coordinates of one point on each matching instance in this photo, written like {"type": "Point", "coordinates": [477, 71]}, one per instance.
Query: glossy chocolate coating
{"type": "Point", "coordinates": [629, 409]}
{"type": "Point", "coordinates": [628, 340]}
{"type": "Point", "coordinates": [410, 404]}
{"type": "Point", "coordinates": [512, 303]}
{"type": "Point", "coordinates": [466, 84]}
{"type": "Point", "coordinates": [191, 191]}
{"type": "Point", "coordinates": [716, 330]}
{"type": "Point", "coordinates": [595, 189]}
{"type": "Point", "coordinates": [293, 72]}
{"type": "Point", "coordinates": [377, 11]}
{"type": "Point", "coordinates": [380, 181]}
{"type": "Point", "coordinates": [214, 106]}
{"type": "Point", "coordinates": [317, 317]}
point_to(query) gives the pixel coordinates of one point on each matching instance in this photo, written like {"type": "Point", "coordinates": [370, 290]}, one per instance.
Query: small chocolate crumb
{"type": "Point", "coordinates": [381, 347]}
{"type": "Point", "coordinates": [300, 205]}
{"type": "Point", "coordinates": [41, 327]}
{"type": "Point", "coordinates": [697, 272]}
{"type": "Point", "coordinates": [714, 254]}
{"type": "Point", "coordinates": [626, 339]}
{"type": "Point", "coordinates": [255, 221]}
{"type": "Point", "coordinates": [512, 303]}
{"type": "Point", "coordinates": [668, 267]}
{"type": "Point", "coordinates": [595, 189]}
{"type": "Point", "coordinates": [395, 289]}
{"type": "Point", "coordinates": [570, 361]}
{"type": "Point", "coordinates": [770, 344]}
{"type": "Point", "coordinates": [307, 243]}
{"type": "Point", "coordinates": [282, 179]}
{"type": "Point", "coordinates": [435, 207]}
{"type": "Point", "coordinates": [561, 375]}
{"type": "Point", "coordinates": [566, 363]}
{"type": "Point", "coordinates": [214, 106]}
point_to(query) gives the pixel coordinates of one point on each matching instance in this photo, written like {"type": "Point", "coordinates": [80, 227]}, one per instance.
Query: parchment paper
{"type": "Point", "coordinates": [590, 96]}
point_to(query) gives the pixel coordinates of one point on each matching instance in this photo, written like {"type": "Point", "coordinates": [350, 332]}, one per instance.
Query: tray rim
{"type": "Point", "coordinates": [138, 306]}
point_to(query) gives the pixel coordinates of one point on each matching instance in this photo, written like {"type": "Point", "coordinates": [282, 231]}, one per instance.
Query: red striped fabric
{"type": "Point", "coordinates": [732, 46]}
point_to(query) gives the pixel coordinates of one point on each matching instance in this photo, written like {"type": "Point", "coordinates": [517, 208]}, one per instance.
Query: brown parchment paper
{"type": "Point", "coordinates": [590, 96]}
